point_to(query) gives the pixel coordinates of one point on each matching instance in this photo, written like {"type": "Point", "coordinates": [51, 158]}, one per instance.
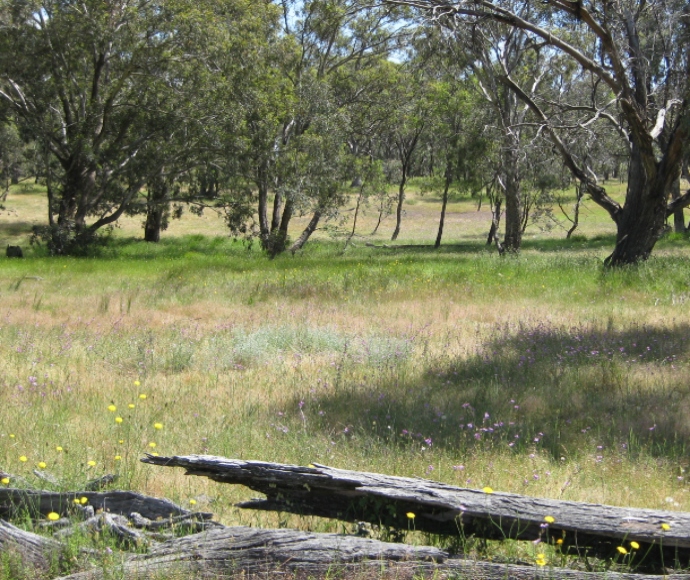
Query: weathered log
{"type": "Point", "coordinates": [15, 502]}
{"type": "Point", "coordinates": [45, 476]}
{"type": "Point", "coordinates": [101, 482]}
{"type": "Point", "coordinates": [32, 550]}
{"type": "Point", "coordinates": [117, 525]}
{"type": "Point", "coordinates": [430, 506]}
{"type": "Point", "coordinates": [245, 552]}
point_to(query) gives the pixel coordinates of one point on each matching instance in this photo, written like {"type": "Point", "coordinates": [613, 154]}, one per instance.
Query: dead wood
{"type": "Point", "coordinates": [119, 527]}
{"type": "Point", "coordinates": [45, 476]}
{"type": "Point", "coordinates": [101, 482]}
{"type": "Point", "coordinates": [31, 549]}
{"type": "Point", "coordinates": [245, 552]}
{"type": "Point", "coordinates": [20, 502]}
{"type": "Point", "coordinates": [444, 509]}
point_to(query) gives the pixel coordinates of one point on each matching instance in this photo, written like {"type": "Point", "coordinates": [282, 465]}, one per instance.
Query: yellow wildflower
{"type": "Point", "coordinates": [559, 541]}
{"type": "Point", "coordinates": [118, 457]}
{"type": "Point", "coordinates": [112, 408]}
{"type": "Point", "coordinates": [42, 465]}
{"type": "Point", "coordinates": [158, 425]}
{"type": "Point", "coordinates": [91, 463]}
{"type": "Point", "coordinates": [487, 489]}
{"type": "Point", "coordinates": [5, 480]}
{"type": "Point", "coordinates": [154, 454]}
{"type": "Point", "coordinates": [410, 515]}
{"type": "Point", "coordinates": [622, 550]}
{"type": "Point", "coordinates": [59, 449]}
{"type": "Point", "coordinates": [23, 458]}
{"type": "Point", "coordinates": [118, 420]}
{"type": "Point", "coordinates": [192, 502]}
{"type": "Point", "coordinates": [666, 527]}
{"type": "Point", "coordinates": [120, 441]}
{"type": "Point", "coordinates": [52, 516]}
{"type": "Point", "coordinates": [540, 560]}
{"type": "Point", "coordinates": [549, 519]}
{"type": "Point", "coordinates": [137, 384]}
{"type": "Point", "coordinates": [83, 500]}
{"type": "Point", "coordinates": [152, 444]}
{"type": "Point", "coordinates": [11, 435]}
{"type": "Point", "coordinates": [131, 406]}
{"type": "Point", "coordinates": [634, 545]}
{"type": "Point", "coordinates": [142, 396]}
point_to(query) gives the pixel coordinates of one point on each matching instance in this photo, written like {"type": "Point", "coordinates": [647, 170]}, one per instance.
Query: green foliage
{"type": "Point", "coordinates": [118, 94]}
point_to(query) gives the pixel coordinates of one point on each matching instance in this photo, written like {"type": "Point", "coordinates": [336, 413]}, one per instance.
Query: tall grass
{"type": "Point", "coordinates": [542, 374]}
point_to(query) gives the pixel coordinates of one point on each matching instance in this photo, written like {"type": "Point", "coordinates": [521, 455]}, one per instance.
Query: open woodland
{"type": "Point", "coordinates": [422, 238]}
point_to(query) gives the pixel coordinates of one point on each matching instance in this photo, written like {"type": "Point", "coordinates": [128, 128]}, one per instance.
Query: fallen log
{"type": "Point", "coordinates": [424, 505]}
{"type": "Point", "coordinates": [250, 552]}
{"type": "Point", "coordinates": [31, 549]}
{"type": "Point", "coordinates": [19, 502]}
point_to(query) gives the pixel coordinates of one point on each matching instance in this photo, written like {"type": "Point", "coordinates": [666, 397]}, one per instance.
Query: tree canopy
{"type": "Point", "coordinates": [274, 109]}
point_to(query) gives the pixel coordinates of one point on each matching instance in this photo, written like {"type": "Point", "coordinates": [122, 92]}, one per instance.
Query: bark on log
{"type": "Point", "coordinates": [444, 509]}
{"type": "Point", "coordinates": [245, 552]}
{"type": "Point", "coordinates": [33, 550]}
{"type": "Point", "coordinates": [17, 502]}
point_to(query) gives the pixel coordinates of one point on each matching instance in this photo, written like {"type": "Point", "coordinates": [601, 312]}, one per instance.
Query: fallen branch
{"type": "Point", "coordinates": [19, 502]}
{"type": "Point", "coordinates": [444, 509]}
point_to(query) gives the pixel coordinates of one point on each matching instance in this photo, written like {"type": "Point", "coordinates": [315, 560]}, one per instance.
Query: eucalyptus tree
{"type": "Point", "coordinates": [406, 105]}
{"type": "Point", "coordinates": [98, 84]}
{"type": "Point", "coordinates": [458, 125]}
{"type": "Point", "coordinates": [495, 51]}
{"type": "Point", "coordinates": [637, 51]}
{"type": "Point", "coordinates": [328, 49]}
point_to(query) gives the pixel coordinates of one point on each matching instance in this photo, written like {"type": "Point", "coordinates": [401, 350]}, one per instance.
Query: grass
{"type": "Point", "coordinates": [542, 374]}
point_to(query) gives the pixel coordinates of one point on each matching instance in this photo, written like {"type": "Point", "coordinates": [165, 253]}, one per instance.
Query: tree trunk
{"type": "Point", "coordinates": [277, 211]}
{"type": "Point", "coordinates": [642, 220]}
{"type": "Point", "coordinates": [444, 204]}
{"type": "Point", "coordinates": [678, 215]}
{"type": "Point", "coordinates": [354, 220]}
{"type": "Point", "coordinates": [157, 207]}
{"type": "Point", "coordinates": [495, 223]}
{"type": "Point", "coordinates": [401, 200]}
{"type": "Point", "coordinates": [514, 213]}
{"type": "Point", "coordinates": [308, 231]}
{"type": "Point", "coordinates": [262, 184]}
{"type": "Point", "coordinates": [378, 223]}
{"type": "Point", "coordinates": [579, 189]}
{"type": "Point", "coordinates": [277, 241]}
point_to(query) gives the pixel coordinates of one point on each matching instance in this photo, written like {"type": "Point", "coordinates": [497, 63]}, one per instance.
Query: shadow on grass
{"type": "Point", "coordinates": [557, 389]}
{"type": "Point", "coordinates": [575, 244]}
{"type": "Point", "coordinates": [172, 247]}
{"type": "Point", "coordinates": [14, 229]}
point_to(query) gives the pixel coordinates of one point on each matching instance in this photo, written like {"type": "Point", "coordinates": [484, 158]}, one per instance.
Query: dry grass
{"type": "Point", "coordinates": [385, 348]}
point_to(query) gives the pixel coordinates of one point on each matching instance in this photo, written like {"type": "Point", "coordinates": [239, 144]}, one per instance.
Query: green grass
{"type": "Point", "coordinates": [574, 379]}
